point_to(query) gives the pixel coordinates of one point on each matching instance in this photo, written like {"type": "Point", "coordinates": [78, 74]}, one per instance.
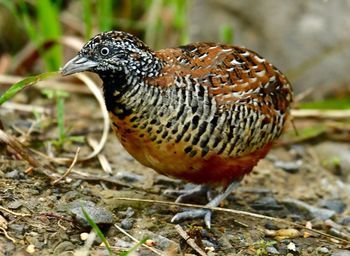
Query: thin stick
{"type": "Point", "coordinates": [14, 213]}
{"type": "Point", "coordinates": [190, 241]}
{"type": "Point", "coordinates": [321, 114]}
{"type": "Point", "coordinates": [69, 169]}
{"type": "Point", "coordinates": [25, 108]}
{"type": "Point", "coordinates": [7, 235]}
{"type": "Point", "coordinates": [137, 241]}
{"type": "Point", "coordinates": [244, 213]}
{"type": "Point", "coordinates": [101, 157]}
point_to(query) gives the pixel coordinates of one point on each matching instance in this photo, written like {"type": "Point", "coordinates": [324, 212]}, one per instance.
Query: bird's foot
{"type": "Point", "coordinates": [205, 213]}
{"type": "Point", "coordinates": [194, 214]}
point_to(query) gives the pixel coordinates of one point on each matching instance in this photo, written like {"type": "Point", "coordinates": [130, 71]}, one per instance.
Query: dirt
{"type": "Point", "coordinates": [50, 228]}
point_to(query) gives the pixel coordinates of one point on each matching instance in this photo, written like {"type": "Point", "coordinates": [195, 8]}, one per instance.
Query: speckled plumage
{"type": "Point", "coordinates": [204, 112]}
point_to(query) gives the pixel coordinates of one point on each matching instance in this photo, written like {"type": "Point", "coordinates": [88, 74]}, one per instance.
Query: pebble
{"type": "Point", "coordinates": [14, 205]}
{"type": "Point", "coordinates": [309, 211]}
{"type": "Point", "coordinates": [12, 174]}
{"type": "Point", "coordinates": [266, 203]}
{"type": "Point", "coordinates": [271, 226]}
{"type": "Point", "coordinates": [127, 223]}
{"type": "Point", "coordinates": [323, 250]}
{"type": "Point", "coordinates": [333, 204]}
{"type": "Point", "coordinates": [84, 236]}
{"type": "Point", "coordinates": [291, 167]}
{"type": "Point", "coordinates": [17, 228]}
{"type": "Point", "coordinates": [98, 214]}
{"type": "Point", "coordinates": [63, 247]}
{"type": "Point", "coordinates": [30, 249]}
{"type": "Point", "coordinates": [341, 253]}
{"type": "Point", "coordinates": [272, 250]}
{"type": "Point", "coordinates": [345, 220]}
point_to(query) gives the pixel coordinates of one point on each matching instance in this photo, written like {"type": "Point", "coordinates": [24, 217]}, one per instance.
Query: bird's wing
{"type": "Point", "coordinates": [232, 75]}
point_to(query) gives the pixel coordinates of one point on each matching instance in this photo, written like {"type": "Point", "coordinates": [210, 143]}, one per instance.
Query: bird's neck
{"type": "Point", "coordinates": [122, 92]}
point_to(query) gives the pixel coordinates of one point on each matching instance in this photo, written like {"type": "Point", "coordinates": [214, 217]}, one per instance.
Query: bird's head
{"type": "Point", "coordinates": [114, 52]}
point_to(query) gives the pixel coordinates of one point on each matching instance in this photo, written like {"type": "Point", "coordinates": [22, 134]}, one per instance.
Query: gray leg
{"type": "Point", "coordinates": [206, 213]}
{"type": "Point", "coordinates": [189, 195]}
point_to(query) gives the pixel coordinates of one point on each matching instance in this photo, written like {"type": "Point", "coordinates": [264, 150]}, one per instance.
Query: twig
{"type": "Point", "coordinates": [14, 213]}
{"type": "Point", "coordinates": [190, 241]}
{"type": "Point", "coordinates": [101, 157]}
{"type": "Point", "coordinates": [137, 241]}
{"type": "Point", "coordinates": [321, 114]}
{"type": "Point", "coordinates": [69, 169]}
{"type": "Point", "coordinates": [25, 108]}
{"type": "Point", "coordinates": [244, 213]}
{"type": "Point", "coordinates": [7, 235]}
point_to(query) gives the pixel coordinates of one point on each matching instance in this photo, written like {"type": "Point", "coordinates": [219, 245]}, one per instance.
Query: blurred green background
{"type": "Point", "coordinates": [307, 40]}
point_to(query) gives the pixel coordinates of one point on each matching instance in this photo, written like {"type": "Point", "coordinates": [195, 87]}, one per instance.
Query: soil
{"type": "Point", "coordinates": [290, 172]}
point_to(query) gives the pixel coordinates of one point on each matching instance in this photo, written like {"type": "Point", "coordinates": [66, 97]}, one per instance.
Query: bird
{"type": "Point", "coordinates": [205, 113]}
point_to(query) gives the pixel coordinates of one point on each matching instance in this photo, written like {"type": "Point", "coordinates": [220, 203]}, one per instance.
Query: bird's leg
{"type": "Point", "coordinates": [190, 195]}
{"type": "Point", "coordinates": [206, 213]}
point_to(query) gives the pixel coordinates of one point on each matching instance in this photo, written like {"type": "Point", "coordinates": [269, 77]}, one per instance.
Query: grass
{"type": "Point", "coordinates": [97, 230]}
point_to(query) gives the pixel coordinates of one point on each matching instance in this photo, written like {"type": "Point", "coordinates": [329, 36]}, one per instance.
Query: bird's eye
{"type": "Point", "coordinates": [104, 51]}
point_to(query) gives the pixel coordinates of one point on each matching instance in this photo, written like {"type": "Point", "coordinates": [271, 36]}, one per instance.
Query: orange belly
{"type": "Point", "coordinates": [169, 158]}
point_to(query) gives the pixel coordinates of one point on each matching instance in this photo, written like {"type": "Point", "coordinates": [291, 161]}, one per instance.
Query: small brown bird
{"type": "Point", "coordinates": [204, 112]}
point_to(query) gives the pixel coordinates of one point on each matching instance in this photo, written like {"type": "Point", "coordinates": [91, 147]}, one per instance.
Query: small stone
{"type": "Point", "coordinates": [12, 174]}
{"type": "Point", "coordinates": [291, 167]}
{"type": "Point", "coordinates": [127, 223]}
{"type": "Point", "coordinates": [272, 250]}
{"type": "Point", "coordinates": [98, 214]}
{"type": "Point", "coordinates": [63, 247]}
{"type": "Point", "coordinates": [266, 203]}
{"type": "Point", "coordinates": [17, 228]}
{"type": "Point", "coordinates": [271, 226]}
{"type": "Point", "coordinates": [291, 247]}
{"type": "Point", "coordinates": [323, 250]}
{"type": "Point", "coordinates": [84, 236]}
{"type": "Point", "coordinates": [129, 212]}
{"type": "Point", "coordinates": [345, 220]}
{"type": "Point", "coordinates": [14, 205]}
{"type": "Point", "coordinates": [309, 211]}
{"type": "Point", "coordinates": [341, 253]}
{"type": "Point", "coordinates": [30, 249]}
{"type": "Point", "coordinates": [332, 204]}
{"type": "Point", "coordinates": [150, 242]}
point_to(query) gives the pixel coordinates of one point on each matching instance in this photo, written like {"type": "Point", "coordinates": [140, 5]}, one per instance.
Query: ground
{"type": "Point", "coordinates": [297, 182]}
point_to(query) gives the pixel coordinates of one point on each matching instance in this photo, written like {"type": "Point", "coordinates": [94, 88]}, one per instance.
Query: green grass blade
{"type": "Point", "coordinates": [105, 14]}
{"type": "Point", "coordinates": [126, 253]}
{"type": "Point", "coordinates": [15, 88]}
{"type": "Point", "coordinates": [97, 230]}
{"type": "Point", "coordinates": [87, 17]}
{"type": "Point", "coordinates": [49, 24]}
{"type": "Point", "coordinates": [29, 26]}
{"type": "Point", "coordinates": [226, 34]}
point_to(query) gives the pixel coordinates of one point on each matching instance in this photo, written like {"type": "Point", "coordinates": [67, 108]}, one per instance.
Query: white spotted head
{"type": "Point", "coordinates": [112, 52]}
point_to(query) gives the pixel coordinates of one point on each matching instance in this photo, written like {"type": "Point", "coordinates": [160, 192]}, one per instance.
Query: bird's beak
{"type": "Point", "coordinates": [78, 64]}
